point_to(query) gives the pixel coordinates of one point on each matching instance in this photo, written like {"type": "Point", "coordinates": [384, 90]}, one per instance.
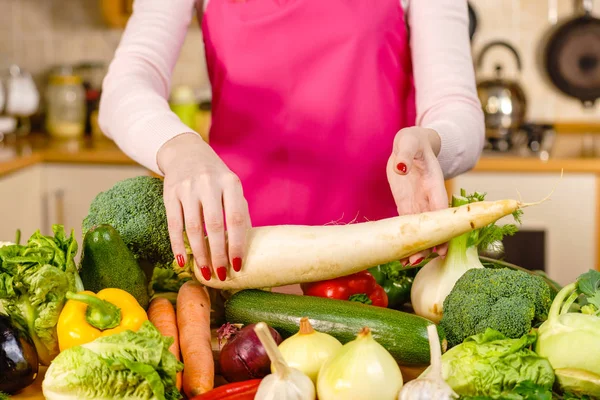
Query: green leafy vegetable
{"type": "Point", "coordinates": [490, 364]}
{"type": "Point", "coordinates": [166, 283]}
{"type": "Point", "coordinates": [525, 390]}
{"type": "Point", "coordinates": [588, 285]}
{"type": "Point", "coordinates": [34, 279]}
{"type": "Point", "coordinates": [127, 365]}
{"type": "Point", "coordinates": [4, 396]}
{"type": "Point", "coordinates": [570, 338]}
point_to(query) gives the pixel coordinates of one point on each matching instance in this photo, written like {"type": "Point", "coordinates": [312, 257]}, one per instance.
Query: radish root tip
{"type": "Point", "coordinates": [523, 205]}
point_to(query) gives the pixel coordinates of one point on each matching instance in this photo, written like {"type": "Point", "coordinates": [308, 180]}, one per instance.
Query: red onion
{"type": "Point", "coordinates": [244, 357]}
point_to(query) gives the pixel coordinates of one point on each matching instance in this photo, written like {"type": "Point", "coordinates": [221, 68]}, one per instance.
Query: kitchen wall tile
{"type": "Point", "coordinates": [33, 16]}
{"type": "Point", "coordinates": [41, 33]}
{"type": "Point", "coordinates": [6, 16]}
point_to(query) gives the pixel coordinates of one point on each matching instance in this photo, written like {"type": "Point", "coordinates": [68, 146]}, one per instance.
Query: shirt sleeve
{"type": "Point", "coordinates": [134, 110]}
{"type": "Point", "coordinates": [446, 92]}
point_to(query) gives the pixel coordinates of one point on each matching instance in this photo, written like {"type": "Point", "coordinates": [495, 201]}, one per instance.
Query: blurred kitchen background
{"type": "Point", "coordinates": [538, 71]}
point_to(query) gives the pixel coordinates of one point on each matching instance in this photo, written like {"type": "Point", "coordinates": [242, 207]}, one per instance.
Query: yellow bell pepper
{"type": "Point", "coordinates": [87, 316]}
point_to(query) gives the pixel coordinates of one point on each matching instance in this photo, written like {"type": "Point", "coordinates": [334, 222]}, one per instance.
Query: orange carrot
{"type": "Point", "coordinates": [162, 314]}
{"type": "Point", "coordinates": [193, 311]}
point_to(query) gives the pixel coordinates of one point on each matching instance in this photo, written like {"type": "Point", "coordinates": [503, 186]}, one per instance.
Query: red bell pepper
{"type": "Point", "coordinates": [361, 287]}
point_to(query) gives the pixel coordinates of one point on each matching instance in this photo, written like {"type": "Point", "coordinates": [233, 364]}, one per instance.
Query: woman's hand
{"type": "Point", "coordinates": [198, 188]}
{"type": "Point", "coordinates": [416, 178]}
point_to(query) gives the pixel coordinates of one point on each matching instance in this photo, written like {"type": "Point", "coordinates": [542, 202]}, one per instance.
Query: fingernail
{"type": "Point", "coordinates": [180, 260]}
{"type": "Point", "coordinates": [205, 273]}
{"type": "Point", "coordinates": [236, 263]}
{"type": "Point", "coordinates": [401, 167]}
{"type": "Point", "coordinates": [222, 273]}
{"type": "Point", "coordinates": [418, 261]}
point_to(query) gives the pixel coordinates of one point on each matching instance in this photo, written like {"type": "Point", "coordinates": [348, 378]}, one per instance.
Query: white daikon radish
{"type": "Point", "coordinates": [291, 254]}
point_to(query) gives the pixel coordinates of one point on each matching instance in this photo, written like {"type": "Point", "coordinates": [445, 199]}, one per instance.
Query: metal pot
{"type": "Point", "coordinates": [504, 102]}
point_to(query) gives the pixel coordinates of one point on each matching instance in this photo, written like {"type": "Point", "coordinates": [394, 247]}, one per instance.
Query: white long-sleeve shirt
{"type": "Point", "coordinates": [134, 109]}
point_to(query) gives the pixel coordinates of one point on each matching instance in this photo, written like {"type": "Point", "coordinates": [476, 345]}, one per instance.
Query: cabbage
{"type": "Point", "coordinates": [127, 365]}
{"type": "Point", "coordinates": [570, 338]}
{"type": "Point", "coordinates": [490, 364]}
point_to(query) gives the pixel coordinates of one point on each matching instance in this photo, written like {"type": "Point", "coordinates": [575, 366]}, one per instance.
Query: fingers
{"type": "Point", "coordinates": [418, 257]}
{"type": "Point", "coordinates": [194, 228]}
{"type": "Point", "coordinates": [212, 205]}
{"type": "Point", "coordinates": [238, 221]}
{"type": "Point", "coordinates": [175, 226]}
{"type": "Point", "coordinates": [407, 147]}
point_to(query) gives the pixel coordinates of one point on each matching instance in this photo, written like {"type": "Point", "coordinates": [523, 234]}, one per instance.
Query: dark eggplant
{"type": "Point", "coordinates": [18, 358]}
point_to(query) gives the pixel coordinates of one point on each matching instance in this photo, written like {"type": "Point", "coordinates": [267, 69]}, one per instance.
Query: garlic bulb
{"type": "Point", "coordinates": [430, 386]}
{"type": "Point", "coordinates": [285, 383]}
{"type": "Point", "coordinates": [308, 349]}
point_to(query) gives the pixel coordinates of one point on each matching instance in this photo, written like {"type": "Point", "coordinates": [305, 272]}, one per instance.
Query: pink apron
{"type": "Point", "coordinates": [307, 98]}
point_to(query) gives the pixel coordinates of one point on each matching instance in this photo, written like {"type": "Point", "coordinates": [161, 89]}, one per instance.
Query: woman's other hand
{"type": "Point", "coordinates": [199, 188]}
{"type": "Point", "coordinates": [416, 177]}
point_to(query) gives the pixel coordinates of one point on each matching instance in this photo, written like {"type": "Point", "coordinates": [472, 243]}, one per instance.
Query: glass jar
{"type": "Point", "coordinates": [92, 74]}
{"type": "Point", "coordinates": [66, 104]}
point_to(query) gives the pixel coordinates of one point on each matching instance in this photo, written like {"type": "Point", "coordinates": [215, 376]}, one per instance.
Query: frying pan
{"type": "Point", "coordinates": [572, 57]}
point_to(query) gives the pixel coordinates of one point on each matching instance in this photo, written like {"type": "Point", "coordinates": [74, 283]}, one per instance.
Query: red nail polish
{"type": "Point", "coordinates": [180, 260]}
{"type": "Point", "coordinates": [205, 273]}
{"type": "Point", "coordinates": [435, 249]}
{"type": "Point", "coordinates": [236, 263]}
{"type": "Point", "coordinates": [401, 167]}
{"type": "Point", "coordinates": [222, 273]}
{"type": "Point", "coordinates": [418, 261]}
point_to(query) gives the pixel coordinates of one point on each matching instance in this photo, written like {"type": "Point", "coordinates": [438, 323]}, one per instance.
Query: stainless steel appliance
{"type": "Point", "coordinates": [503, 100]}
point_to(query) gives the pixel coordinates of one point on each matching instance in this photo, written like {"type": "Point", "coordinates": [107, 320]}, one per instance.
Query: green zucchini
{"type": "Point", "coordinates": [404, 335]}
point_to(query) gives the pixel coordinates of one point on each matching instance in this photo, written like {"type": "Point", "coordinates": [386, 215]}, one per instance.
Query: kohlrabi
{"type": "Point", "coordinates": [570, 337]}
{"type": "Point", "coordinates": [436, 279]}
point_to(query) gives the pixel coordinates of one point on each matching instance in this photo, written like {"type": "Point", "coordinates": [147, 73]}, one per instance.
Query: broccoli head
{"type": "Point", "coordinates": [506, 300]}
{"type": "Point", "coordinates": [135, 208]}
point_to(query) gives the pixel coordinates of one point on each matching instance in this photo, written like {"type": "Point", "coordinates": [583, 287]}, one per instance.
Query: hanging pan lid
{"type": "Point", "coordinates": [572, 58]}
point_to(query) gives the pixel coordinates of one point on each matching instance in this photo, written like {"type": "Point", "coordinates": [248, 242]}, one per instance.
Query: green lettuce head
{"type": "Point", "coordinates": [34, 279]}
{"type": "Point", "coordinates": [127, 365]}
{"type": "Point", "coordinates": [489, 364]}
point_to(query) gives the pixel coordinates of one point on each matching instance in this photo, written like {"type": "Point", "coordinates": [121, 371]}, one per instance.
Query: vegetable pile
{"type": "Point", "coordinates": [129, 322]}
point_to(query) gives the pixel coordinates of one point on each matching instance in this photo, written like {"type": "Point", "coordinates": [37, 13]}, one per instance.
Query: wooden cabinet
{"type": "Point", "coordinates": [42, 195]}
{"type": "Point", "coordinates": [569, 219]}
{"type": "Point", "coordinates": [20, 203]}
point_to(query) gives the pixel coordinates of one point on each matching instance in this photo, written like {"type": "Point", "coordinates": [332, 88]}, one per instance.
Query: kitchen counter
{"type": "Point", "coordinates": [38, 148]}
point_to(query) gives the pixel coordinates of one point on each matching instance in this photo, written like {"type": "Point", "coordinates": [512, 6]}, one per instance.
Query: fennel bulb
{"type": "Point", "coordinates": [437, 278]}
{"type": "Point", "coordinates": [570, 338]}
